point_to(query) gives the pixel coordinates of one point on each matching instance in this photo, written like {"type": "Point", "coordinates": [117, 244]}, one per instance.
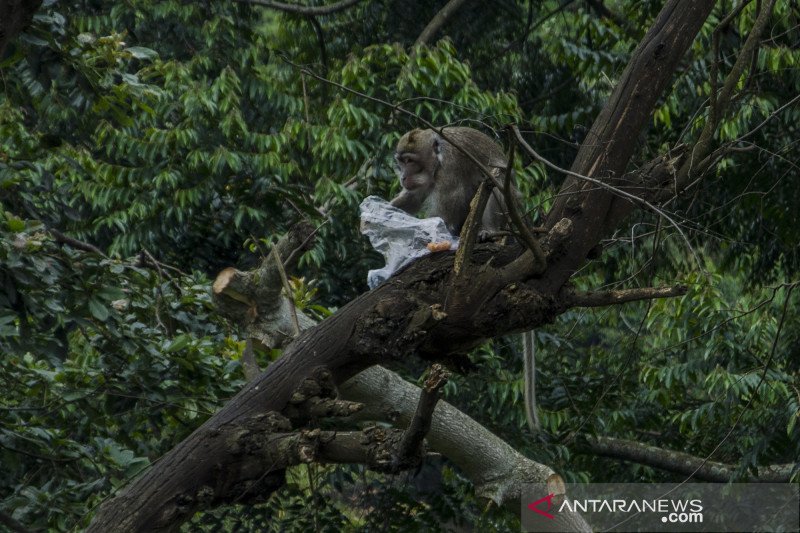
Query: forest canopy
{"type": "Point", "coordinates": [184, 310]}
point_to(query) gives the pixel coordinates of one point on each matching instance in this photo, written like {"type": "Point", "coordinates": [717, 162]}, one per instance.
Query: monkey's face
{"type": "Point", "coordinates": [418, 157]}
{"type": "Point", "coordinates": [411, 171]}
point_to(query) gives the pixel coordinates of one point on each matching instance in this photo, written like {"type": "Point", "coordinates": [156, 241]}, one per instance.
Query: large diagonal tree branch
{"type": "Point", "coordinates": [499, 473]}
{"type": "Point", "coordinates": [610, 143]}
{"type": "Point", "coordinates": [419, 311]}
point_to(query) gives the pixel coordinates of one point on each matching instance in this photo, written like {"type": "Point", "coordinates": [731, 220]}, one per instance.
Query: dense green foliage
{"type": "Point", "coordinates": [181, 138]}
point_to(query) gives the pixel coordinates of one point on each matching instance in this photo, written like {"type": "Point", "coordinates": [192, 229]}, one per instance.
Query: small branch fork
{"type": "Point", "coordinates": [698, 162]}
{"type": "Point", "coordinates": [269, 436]}
{"type": "Point", "coordinates": [411, 445]}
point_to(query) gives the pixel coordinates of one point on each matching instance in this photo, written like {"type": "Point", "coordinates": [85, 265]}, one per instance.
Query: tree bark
{"type": "Point", "coordinates": [421, 311]}
{"type": "Point", "coordinates": [498, 471]}
{"type": "Point", "coordinates": [438, 21]}
{"type": "Point", "coordinates": [610, 143]}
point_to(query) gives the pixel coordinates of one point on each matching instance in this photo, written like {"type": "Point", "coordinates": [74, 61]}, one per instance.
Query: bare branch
{"type": "Point", "coordinates": [161, 267]}
{"type": "Point", "coordinates": [259, 445]}
{"type": "Point", "coordinates": [75, 243]}
{"type": "Point", "coordinates": [621, 296]}
{"type": "Point", "coordinates": [253, 299]}
{"type": "Point", "coordinates": [499, 472]}
{"type": "Point", "coordinates": [683, 463]}
{"type": "Point", "coordinates": [438, 21]}
{"type": "Point", "coordinates": [723, 98]}
{"type": "Point", "coordinates": [420, 424]}
{"type": "Point", "coordinates": [612, 139]}
{"type": "Point", "coordinates": [715, 37]}
{"type": "Point", "coordinates": [312, 11]}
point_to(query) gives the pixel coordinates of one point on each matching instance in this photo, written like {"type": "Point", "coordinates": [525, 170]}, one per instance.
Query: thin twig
{"type": "Point", "coordinates": [396, 108]}
{"type": "Point", "coordinates": [770, 117]}
{"type": "Point", "coordinates": [754, 394]}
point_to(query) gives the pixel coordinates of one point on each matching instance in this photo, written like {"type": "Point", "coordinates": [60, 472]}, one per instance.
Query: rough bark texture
{"type": "Point", "coordinates": [498, 471]}
{"type": "Point", "coordinates": [15, 15]}
{"type": "Point", "coordinates": [613, 137]}
{"type": "Point", "coordinates": [422, 310]}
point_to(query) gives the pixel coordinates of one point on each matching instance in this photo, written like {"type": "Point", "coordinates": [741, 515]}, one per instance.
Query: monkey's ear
{"type": "Point", "coordinates": [437, 147]}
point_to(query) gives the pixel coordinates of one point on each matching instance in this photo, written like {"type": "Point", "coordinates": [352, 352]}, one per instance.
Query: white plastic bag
{"type": "Point", "coordinates": [398, 236]}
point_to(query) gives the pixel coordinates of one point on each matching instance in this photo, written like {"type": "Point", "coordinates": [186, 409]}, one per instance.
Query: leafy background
{"type": "Point", "coordinates": [182, 133]}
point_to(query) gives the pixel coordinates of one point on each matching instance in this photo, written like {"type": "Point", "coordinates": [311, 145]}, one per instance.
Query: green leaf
{"type": "Point", "coordinates": [98, 310]}
{"type": "Point", "coordinates": [15, 224]}
{"type": "Point", "coordinates": [178, 343]}
{"type": "Point", "coordinates": [140, 52]}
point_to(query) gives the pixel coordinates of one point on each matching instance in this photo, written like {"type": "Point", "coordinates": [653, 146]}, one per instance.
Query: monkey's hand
{"type": "Point", "coordinates": [408, 201]}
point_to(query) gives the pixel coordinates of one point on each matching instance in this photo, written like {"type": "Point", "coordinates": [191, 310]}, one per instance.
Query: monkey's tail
{"type": "Point", "coordinates": [529, 358]}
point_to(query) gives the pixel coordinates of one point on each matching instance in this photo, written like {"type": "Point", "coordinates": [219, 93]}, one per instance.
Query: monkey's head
{"type": "Point", "coordinates": [418, 156]}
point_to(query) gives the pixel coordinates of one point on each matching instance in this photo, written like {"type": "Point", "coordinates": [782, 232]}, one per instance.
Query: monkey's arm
{"type": "Point", "coordinates": [409, 201]}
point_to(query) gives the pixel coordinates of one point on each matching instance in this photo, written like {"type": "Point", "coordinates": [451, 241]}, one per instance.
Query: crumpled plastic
{"type": "Point", "coordinates": [399, 237]}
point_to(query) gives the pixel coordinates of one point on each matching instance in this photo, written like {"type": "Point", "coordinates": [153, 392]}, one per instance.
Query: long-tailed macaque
{"type": "Point", "coordinates": [440, 180]}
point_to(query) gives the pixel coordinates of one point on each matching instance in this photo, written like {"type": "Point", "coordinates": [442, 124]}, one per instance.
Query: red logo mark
{"type": "Point", "coordinates": [548, 499]}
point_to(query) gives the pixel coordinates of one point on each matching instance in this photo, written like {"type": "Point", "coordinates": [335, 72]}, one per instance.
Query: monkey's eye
{"type": "Point", "coordinates": [405, 158]}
